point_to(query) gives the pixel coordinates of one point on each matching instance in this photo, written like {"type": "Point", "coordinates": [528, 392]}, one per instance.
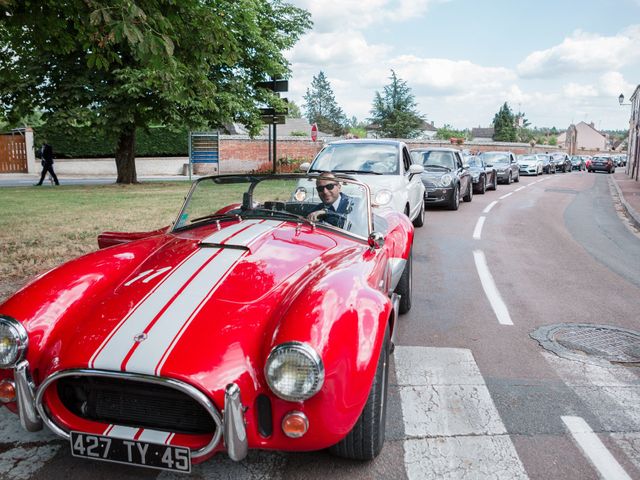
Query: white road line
{"type": "Point", "coordinates": [477, 232]}
{"type": "Point", "coordinates": [490, 289]}
{"type": "Point", "coordinates": [520, 188]}
{"type": "Point", "coordinates": [452, 427]}
{"type": "Point", "coordinates": [488, 208]}
{"type": "Point", "coordinates": [506, 195]}
{"type": "Point", "coordinates": [595, 450]}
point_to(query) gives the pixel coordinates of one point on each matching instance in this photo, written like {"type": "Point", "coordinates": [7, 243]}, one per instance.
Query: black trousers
{"type": "Point", "coordinates": [48, 167]}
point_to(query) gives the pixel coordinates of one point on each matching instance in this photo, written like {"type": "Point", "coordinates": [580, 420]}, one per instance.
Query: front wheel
{"type": "Point", "coordinates": [454, 202]}
{"type": "Point", "coordinates": [419, 220]}
{"type": "Point", "coordinates": [509, 179]}
{"type": "Point", "coordinates": [517, 179]}
{"type": "Point", "coordinates": [483, 185]}
{"type": "Point", "coordinates": [469, 195]}
{"type": "Point", "coordinates": [405, 286]}
{"type": "Point", "coordinates": [366, 438]}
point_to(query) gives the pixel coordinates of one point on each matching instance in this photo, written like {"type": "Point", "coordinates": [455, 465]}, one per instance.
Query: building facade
{"type": "Point", "coordinates": [633, 152]}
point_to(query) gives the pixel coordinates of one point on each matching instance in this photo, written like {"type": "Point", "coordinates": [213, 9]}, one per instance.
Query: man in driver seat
{"type": "Point", "coordinates": [335, 205]}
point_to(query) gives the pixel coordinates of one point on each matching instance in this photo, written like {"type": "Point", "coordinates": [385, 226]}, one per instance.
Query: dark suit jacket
{"type": "Point", "coordinates": [337, 218]}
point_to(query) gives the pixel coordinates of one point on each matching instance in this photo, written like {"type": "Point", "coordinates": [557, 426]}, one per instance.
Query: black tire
{"type": "Point", "coordinates": [419, 220]}
{"type": "Point", "coordinates": [494, 185]}
{"type": "Point", "coordinates": [483, 182]}
{"type": "Point", "coordinates": [366, 438]}
{"type": "Point", "coordinates": [469, 195]}
{"type": "Point", "coordinates": [454, 203]}
{"type": "Point", "coordinates": [405, 286]}
{"type": "Point", "coordinates": [508, 180]}
{"type": "Point", "coordinates": [517, 179]}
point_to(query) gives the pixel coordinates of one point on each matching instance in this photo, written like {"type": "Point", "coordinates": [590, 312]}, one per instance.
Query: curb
{"type": "Point", "coordinates": [631, 212]}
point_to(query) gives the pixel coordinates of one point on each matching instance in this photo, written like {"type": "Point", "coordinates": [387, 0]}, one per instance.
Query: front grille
{"type": "Point", "coordinates": [135, 404]}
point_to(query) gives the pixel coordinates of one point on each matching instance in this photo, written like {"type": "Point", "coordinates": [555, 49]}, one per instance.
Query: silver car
{"type": "Point", "coordinates": [505, 163]}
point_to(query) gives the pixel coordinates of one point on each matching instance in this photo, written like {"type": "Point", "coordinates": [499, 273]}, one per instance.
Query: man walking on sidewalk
{"type": "Point", "coordinates": [46, 154]}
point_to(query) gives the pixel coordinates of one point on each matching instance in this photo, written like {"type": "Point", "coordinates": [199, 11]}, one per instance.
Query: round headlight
{"type": "Point", "coordinates": [382, 197]}
{"type": "Point", "coordinates": [445, 180]}
{"type": "Point", "coordinates": [294, 371]}
{"type": "Point", "coordinates": [13, 342]}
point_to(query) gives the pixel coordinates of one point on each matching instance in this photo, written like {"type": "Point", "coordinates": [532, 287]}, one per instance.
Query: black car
{"type": "Point", "coordinates": [484, 178]}
{"type": "Point", "coordinates": [562, 161]}
{"type": "Point", "coordinates": [548, 165]}
{"type": "Point", "coordinates": [602, 163]}
{"type": "Point", "coordinates": [444, 177]}
{"type": "Point", "coordinates": [578, 163]}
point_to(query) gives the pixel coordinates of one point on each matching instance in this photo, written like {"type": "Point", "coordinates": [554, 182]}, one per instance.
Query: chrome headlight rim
{"type": "Point", "coordinates": [20, 336]}
{"type": "Point", "coordinates": [307, 351]}
{"type": "Point", "coordinates": [382, 197]}
{"type": "Point", "coordinates": [446, 180]}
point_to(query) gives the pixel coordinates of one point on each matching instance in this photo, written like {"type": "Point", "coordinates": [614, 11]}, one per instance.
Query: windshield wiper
{"type": "Point", "coordinates": [438, 166]}
{"type": "Point", "coordinates": [357, 171]}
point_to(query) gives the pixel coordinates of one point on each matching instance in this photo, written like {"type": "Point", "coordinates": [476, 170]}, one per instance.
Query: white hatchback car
{"type": "Point", "coordinates": [384, 165]}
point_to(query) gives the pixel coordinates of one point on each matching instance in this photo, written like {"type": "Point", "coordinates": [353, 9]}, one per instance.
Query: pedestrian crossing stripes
{"type": "Point", "coordinates": [452, 426]}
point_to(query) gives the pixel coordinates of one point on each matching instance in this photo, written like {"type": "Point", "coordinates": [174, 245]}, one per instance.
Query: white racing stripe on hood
{"type": "Point", "coordinates": [175, 301]}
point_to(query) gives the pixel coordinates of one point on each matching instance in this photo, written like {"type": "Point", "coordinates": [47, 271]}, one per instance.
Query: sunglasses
{"type": "Point", "coordinates": [328, 186]}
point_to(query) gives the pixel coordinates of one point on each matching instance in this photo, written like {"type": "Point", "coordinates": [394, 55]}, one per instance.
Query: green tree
{"type": "Point", "coordinates": [321, 107]}
{"type": "Point", "coordinates": [504, 125]}
{"type": "Point", "coordinates": [447, 132]}
{"type": "Point", "coordinates": [294, 110]}
{"type": "Point", "coordinates": [395, 110]}
{"type": "Point", "coordinates": [121, 65]}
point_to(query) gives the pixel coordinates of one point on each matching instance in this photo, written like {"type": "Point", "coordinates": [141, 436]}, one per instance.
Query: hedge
{"type": "Point", "coordinates": [86, 143]}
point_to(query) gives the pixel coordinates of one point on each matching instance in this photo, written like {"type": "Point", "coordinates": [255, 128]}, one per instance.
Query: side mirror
{"type": "Point", "coordinates": [489, 165]}
{"type": "Point", "coordinates": [376, 240]}
{"type": "Point", "coordinates": [305, 166]}
{"type": "Point", "coordinates": [415, 169]}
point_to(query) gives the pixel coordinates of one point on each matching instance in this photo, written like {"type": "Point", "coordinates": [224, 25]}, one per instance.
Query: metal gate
{"type": "Point", "coordinates": [13, 153]}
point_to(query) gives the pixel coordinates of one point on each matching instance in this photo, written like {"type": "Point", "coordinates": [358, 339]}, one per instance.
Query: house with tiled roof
{"type": "Point", "coordinates": [583, 136]}
{"type": "Point", "coordinates": [481, 134]}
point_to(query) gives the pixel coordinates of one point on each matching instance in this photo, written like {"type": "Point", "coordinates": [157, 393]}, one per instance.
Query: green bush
{"type": "Point", "coordinates": [83, 142]}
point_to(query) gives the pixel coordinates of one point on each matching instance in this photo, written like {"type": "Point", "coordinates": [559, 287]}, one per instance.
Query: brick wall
{"type": "Point", "coordinates": [242, 154]}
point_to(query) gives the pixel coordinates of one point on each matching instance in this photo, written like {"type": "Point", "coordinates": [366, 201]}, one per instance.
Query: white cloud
{"type": "Point", "coordinates": [333, 15]}
{"type": "Point", "coordinates": [613, 84]}
{"type": "Point", "coordinates": [584, 52]}
{"type": "Point", "coordinates": [576, 90]}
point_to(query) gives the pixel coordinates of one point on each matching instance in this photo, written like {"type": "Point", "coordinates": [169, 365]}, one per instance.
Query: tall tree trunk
{"type": "Point", "coordinates": [125, 155]}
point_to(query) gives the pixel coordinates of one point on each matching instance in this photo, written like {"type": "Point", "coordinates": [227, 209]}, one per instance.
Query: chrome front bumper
{"type": "Point", "coordinates": [33, 413]}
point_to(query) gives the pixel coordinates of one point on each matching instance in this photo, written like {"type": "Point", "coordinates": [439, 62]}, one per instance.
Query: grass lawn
{"type": "Point", "coordinates": [41, 228]}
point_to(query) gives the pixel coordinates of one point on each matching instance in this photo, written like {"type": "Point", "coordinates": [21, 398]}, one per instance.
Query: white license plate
{"type": "Point", "coordinates": [131, 452]}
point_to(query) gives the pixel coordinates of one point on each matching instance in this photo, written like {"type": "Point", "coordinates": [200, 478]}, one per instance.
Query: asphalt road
{"type": "Point", "coordinates": [472, 394]}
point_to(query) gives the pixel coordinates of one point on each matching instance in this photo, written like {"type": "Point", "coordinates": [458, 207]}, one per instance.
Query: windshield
{"type": "Point", "coordinates": [528, 158]}
{"type": "Point", "coordinates": [474, 162]}
{"type": "Point", "coordinates": [495, 157]}
{"type": "Point", "coordinates": [435, 158]}
{"type": "Point", "coordinates": [335, 203]}
{"type": "Point", "coordinates": [373, 158]}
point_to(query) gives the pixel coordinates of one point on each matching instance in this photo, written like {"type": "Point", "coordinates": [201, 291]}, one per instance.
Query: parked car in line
{"type": "Point", "coordinates": [530, 164]}
{"type": "Point", "coordinates": [242, 326]}
{"type": "Point", "coordinates": [602, 163]}
{"type": "Point", "coordinates": [505, 163]}
{"type": "Point", "coordinates": [587, 162]}
{"type": "Point", "coordinates": [444, 177]}
{"type": "Point", "coordinates": [384, 165]}
{"type": "Point", "coordinates": [484, 178]}
{"type": "Point", "coordinates": [562, 161]}
{"type": "Point", "coordinates": [578, 163]}
{"type": "Point", "coordinates": [548, 165]}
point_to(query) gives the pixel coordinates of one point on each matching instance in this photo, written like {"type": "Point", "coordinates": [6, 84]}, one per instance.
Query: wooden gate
{"type": "Point", "coordinates": [13, 153]}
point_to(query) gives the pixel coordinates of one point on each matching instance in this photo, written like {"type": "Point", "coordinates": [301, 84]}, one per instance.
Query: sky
{"type": "Point", "coordinates": [559, 62]}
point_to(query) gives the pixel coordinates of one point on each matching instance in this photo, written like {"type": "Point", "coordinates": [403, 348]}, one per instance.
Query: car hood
{"type": "Point", "coordinates": [207, 297]}
{"type": "Point", "coordinates": [434, 174]}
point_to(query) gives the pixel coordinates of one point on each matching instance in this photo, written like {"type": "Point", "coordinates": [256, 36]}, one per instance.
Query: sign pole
{"type": "Point", "coordinates": [274, 149]}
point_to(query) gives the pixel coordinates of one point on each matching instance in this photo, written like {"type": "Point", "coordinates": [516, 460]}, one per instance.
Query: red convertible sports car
{"type": "Point", "coordinates": [243, 325]}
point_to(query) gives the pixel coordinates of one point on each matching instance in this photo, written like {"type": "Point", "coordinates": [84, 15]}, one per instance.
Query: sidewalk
{"type": "Point", "coordinates": [629, 192]}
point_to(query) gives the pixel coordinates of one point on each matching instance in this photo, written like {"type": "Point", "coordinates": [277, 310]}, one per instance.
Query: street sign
{"type": "Point", "coordinates": [274, 85]}
{"type": "Point", "coordinates": [314, 132]}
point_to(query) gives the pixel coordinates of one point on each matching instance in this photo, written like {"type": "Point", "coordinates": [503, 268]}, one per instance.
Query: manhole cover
{"type": "Point", "coordinates": [590, 343]}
